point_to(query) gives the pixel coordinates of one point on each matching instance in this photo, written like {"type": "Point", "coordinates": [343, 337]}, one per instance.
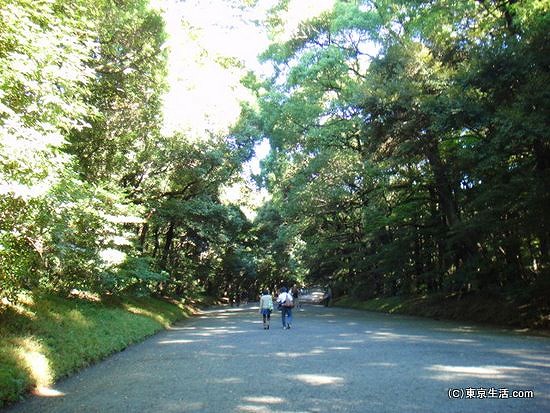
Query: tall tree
{"type": "Point", "coordinates": [408, 144]}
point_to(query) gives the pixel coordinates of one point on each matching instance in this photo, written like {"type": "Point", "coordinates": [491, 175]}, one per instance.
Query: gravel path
{"type": "Point", "coordinates": [332, 360]}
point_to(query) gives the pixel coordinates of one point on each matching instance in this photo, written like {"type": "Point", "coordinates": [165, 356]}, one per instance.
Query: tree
{"type": "Point", "coordinates": [44, 73]}
{"type": "Point", "coordinates": [408, 144]}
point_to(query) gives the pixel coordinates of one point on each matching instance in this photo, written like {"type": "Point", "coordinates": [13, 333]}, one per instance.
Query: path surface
{"type": "Point", "coordinates": [332, 360]}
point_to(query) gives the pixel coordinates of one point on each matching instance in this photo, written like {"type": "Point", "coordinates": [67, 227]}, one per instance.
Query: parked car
{"type": "Point", "coordinates": [312, 295]}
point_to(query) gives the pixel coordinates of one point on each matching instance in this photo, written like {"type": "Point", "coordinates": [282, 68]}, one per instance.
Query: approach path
{"type": "Point", "coordinates": [332, 360]}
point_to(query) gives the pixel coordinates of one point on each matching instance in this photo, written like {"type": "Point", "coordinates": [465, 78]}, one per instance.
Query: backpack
{"type": "Point", "coordinates": [288, 301]}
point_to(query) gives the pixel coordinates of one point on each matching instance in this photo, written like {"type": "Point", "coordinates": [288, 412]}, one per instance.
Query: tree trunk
{"type": "Point", "coordinates": [143, 236]}
{"type": "Point", "coordinates": [167, 245]}
{"type": "Point", "coordinates": [442, 185]}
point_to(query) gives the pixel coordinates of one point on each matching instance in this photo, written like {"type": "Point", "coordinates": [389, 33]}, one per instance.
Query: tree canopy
{"type": "Point", "coordinates": [409, 153]}
{"type": "Point", "coordinates": [93, 195]}
{"type": "Point", "coordinates": [409, 146]}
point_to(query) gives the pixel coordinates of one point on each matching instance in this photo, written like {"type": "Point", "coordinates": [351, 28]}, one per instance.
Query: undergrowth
{"type": "Point", "coordinates": [499, 310]}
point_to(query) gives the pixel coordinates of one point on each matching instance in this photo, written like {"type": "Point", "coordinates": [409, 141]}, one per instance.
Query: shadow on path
{"type": "Point", "coordinates": [332, 359]}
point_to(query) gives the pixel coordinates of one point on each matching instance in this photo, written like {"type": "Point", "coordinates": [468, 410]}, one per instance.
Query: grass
{"type": "Point", "coordinates": [44, 338]}
{"type": "Point", "coordinates": [495, 310]}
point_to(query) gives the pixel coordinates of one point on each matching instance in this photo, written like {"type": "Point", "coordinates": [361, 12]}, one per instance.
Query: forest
{"type": "Point", "coordinates": [409, 154]}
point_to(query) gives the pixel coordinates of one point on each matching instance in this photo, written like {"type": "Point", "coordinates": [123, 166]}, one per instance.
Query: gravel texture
{"type": "Point", "coordinates": [332, 360]}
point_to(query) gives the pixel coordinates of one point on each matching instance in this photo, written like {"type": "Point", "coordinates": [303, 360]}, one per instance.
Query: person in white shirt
{"type": "Point", "coordinates": [286, 303]}
{"type": "Point", "coordinates": [266, 307]}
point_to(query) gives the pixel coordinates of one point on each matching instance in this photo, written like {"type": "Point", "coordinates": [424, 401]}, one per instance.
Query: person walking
{"type": "Point", "coordinates": [266, 307]}
{"type": "Point", "coordinates": [295, 291]}
{"type": "Point", "coordinates": [285, 303]}
{"type": "Point", "coordinates": [328, 296]}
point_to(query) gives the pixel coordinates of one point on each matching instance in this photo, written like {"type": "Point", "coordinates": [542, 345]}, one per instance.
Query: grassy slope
{"type": "Point", "coordinates": [496, 310]}
{"type": "Point", "coordinates": [46, 338]}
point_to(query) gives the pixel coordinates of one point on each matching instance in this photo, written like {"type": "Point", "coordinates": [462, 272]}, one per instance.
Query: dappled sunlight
{"type": "Point", "coordinates": [32, 354]}
{"type": "Point", "coordinates": [458, 329]}
{"type": "Point", "coordinates": [454, 373]}
{"type": "Point", "coordinates": [264, 399]}
{"type": "Point", "coordinates": [85, 295]}
{"type": "Point", "coordinates": [356, 341]}
{"type": "Point", "coordinates": [76, 317]}
{"type": "Point", "coordinates": [220, 333]}
{"type": "Point", "coordinates": [229, 380]}
{"type": "Point", "coordinates": [44, 391]}
{"type": "Point", "coordinates": [382, 364]}
{"type": "Point", "coordinates": [22, 307]}
{"type": "Point", "coordinates": [217, 332]}
{"type": "Point", "coordinates": [113, 257]}
{"type": "Point", "coordinates": [175, 406]}
{"type": "Point", "coordinates": [180, 328]}
{"type": "Point", "coordinates": [535, 364]}
{"type": "Point", "coordinates": [251, 321]}
{"type": "Point", "coordinates": [225, 310]}
{"type": "Point", "coordinates": [224, 317]}
{"type": "Point", "coordinates": [347, 340]}
{"type": "Point", "coordinates": [325, 315]}
{"type": "Point", "coordinates": [463, 340]}
{"type": "Point", "coordinates": [414, 338]}
{"type": "Point", "coordinates": [326, 366]}
{"type": "Point", "coordinates": [528, 358]}
{"type": "Point", "coordinates": [285, 355]}
{"type": "Point", "coordinates": [214, 328]}
{"type": "Point", "coordinates": [202, 334]}
{"type": "Point", "coordinates": [263, 404]}
{"type": "Point", "coordinates": [147, 313]}
{"type": "Point", "coordinates": [182, 341]}
{"type": "Point", "coordinates": [319, 379]}
{"type": "Point", "coordinates": [253, 408]}
{"type": "Point", "coordinates": [387, 336]}
{"type": "Point", "coordinates": [526, 354]}
{"type": "Point", "coordinates": [219, 317]}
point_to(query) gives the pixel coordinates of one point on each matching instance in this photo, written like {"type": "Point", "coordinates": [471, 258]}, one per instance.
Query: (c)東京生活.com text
{"type": "Point", "coordinates": [489, 393]}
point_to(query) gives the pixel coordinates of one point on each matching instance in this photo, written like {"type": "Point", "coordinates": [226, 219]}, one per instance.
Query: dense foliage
{"type": "Point", "coordinates": [409, 153]}
{"type": "Point", "coordinates": [92, 195]}
{"type": "Point", "coordinates": [410, 149]}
